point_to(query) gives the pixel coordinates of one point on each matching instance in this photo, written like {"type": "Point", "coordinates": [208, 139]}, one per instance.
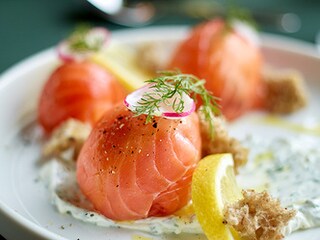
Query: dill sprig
{"type": "Point", "coordinates": [169, 88]}
{"type": "Point", "coordinates": [236, 13]}
{"type": "Point", "coordinates": [80, 42]}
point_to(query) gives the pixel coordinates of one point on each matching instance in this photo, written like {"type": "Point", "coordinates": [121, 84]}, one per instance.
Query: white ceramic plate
{"type": "Point", "coordinates": [25, 209]}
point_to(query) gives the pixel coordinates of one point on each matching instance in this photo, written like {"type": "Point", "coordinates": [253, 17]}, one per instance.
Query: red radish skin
{"type": "Point", "coordinates": [134, 99]}
{"type": "Point", "coordinates": [80, 90]}
{"type": "Point", "coordinates": [132, 170]}
{"type": "Point", "coordinates": [100, 36]}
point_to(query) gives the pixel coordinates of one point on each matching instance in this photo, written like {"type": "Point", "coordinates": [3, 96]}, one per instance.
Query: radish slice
{"type": "Point", "coordinates": [133, 100]}
{"type": "Point", "coordinates": [95, 39]}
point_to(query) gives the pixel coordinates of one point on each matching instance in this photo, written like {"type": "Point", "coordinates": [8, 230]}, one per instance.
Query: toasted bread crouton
{"type": "Point", "coordinates": [154, 56]}
{"type": "Point", "coordinates": [221, 142]}
{"type": "Point", "coordinates": [69, 135]}
{"type": "Point", "coordinates": [285, 91]}
{"type": "Point", "coordinates": [258, 216]}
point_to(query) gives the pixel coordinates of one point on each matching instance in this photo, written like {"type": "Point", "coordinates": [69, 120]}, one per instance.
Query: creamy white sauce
{"type": "Point", "coordinates": [290, 171]}
{"type": "Point", "coordinates": [66, 196]}
{"type": "Point", "coordinates": [287, 169]}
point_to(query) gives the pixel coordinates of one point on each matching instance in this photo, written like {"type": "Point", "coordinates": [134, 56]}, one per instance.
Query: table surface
{"type": "Point", "coordinates": [29, 26]}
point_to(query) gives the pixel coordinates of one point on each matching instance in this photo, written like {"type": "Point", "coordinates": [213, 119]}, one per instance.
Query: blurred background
{"type": "Point", "coordinates": [29, 26]}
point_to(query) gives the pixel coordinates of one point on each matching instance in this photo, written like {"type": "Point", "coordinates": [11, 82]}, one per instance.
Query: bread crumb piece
{"type": "Point", "coordinates": [285, 91]}
{"type": "Point", "coordinates": [70, 134]}
{"type": "Point", "coordinates": [220, 141]}
{"type": "Point", "coordinates": [258, 216]}
{"type": "Point", "coordinates": [154, 56]}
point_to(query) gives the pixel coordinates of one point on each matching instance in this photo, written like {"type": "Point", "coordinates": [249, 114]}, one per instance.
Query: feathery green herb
{"type": "Point", "coordinates": [169, 88]}
{"type": "Point", "coordinates": [236, 13]}
{"type": "Point", "coordinates": [80, 42]}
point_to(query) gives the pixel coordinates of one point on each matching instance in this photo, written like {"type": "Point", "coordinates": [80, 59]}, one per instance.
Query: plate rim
{"type": "Point", "coordinates": [269, 40]}
{"type": "Point", "coordinates": [273, 41]}
{"type": "Point", "coordinates": [30, 228]}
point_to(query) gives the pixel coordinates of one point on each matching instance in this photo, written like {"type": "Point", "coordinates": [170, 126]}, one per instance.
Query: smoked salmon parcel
{"type": "Point", "coordinates": [139, 158]}
{"type": "Point", "coordinates": [80, 90]}
{"type": "Point", "coordinates": [228, 56]}
{"type": "Point", "coordinates": [130, 169]}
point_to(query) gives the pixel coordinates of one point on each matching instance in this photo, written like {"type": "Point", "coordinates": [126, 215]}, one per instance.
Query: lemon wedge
{"type": "Point", "coordinates": [186, 211]}
{"type": "Point", "coordinates": [121, 61]}
{"type": "Point", "coordinates": [213, 186]}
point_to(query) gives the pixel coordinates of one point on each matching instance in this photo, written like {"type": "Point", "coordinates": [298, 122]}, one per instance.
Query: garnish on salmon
{"type": "Point", "coordinates": [82, 43]}
{"type": "Point", "coordinates": [169, 95]}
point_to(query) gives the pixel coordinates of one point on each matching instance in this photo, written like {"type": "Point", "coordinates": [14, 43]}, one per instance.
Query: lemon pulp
{"type": "Point", "coordinates": [214, 186]}
{"type": "Point", "coordinates": [121, 61]}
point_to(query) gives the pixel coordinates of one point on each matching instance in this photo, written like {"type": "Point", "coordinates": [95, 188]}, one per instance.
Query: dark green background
{"type": "Point", "coordinates": [29, 26]}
